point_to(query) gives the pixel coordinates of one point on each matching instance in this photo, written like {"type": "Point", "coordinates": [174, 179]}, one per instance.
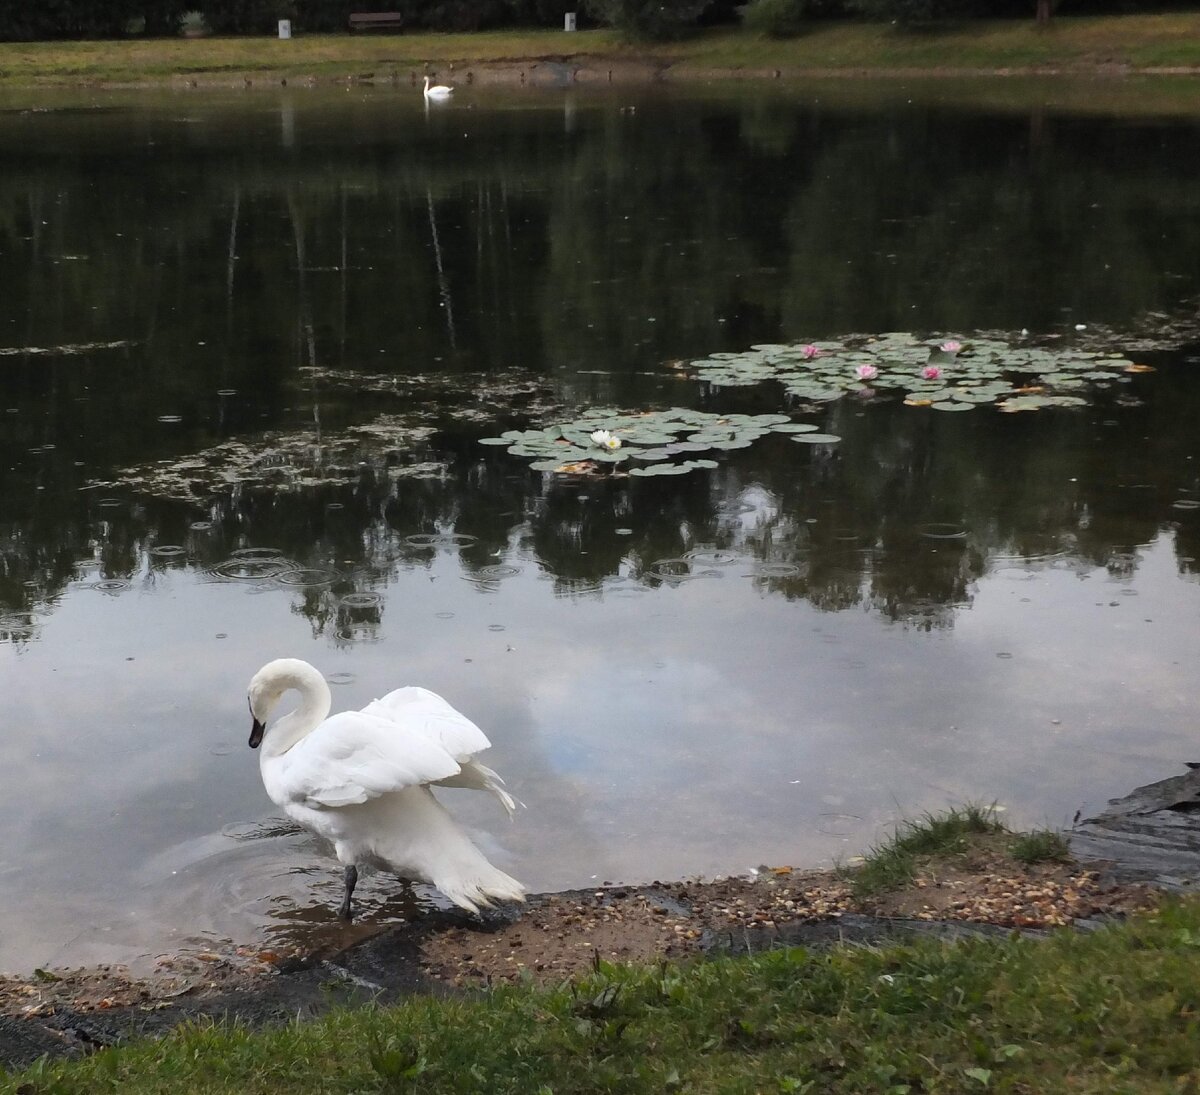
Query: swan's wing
{"type": "Point", "coordinates": [353, 756]}
{"type": "Point", "coordinates": [425, 714]}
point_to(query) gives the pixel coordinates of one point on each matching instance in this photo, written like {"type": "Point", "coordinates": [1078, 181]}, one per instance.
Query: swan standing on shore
{"type": "Point", "coordinates": [438, 91]}
{"type": "Point", "coordinates": [360, 779]}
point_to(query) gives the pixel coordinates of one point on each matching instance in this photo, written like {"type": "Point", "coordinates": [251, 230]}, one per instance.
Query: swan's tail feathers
{"type": "Point", "coordinates": [412, 834]}
{"type": "Point", "coordinates": [479, 777]}
{"type": "Point", "coordinates": [481, 889]}
{"type": "Point", "coordinates": [492, 782]}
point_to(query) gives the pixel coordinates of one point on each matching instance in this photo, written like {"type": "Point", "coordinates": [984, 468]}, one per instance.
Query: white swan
{"type": "Point", "coordinates": [360, 779]}
{"type": "Point", "coordinates": [438, 91]}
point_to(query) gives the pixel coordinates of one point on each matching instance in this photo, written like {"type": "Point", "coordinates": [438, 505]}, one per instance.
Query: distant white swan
{"type": "Point", "coordinates": [438, 91]}
{"type": "Point", "coordinates": [360, 779]}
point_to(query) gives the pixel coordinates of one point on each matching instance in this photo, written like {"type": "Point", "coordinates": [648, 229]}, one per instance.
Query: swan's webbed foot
{"type": "Point", "coordinates": [351, 881]}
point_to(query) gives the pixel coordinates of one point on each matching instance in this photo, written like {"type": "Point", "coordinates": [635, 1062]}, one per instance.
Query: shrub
{"type": "Point", "coordinates": [775, 18]}
{"type": "Point", "coordinates": [648, 20]}
{"type": "Point", "coordinates": [540, 13]}
{"type": "Point", "coordinates": [244, 16]}
{"type": "Point", "coordinates": [22, 20]}
{"type": "Point", "coordinates": [915, 12]}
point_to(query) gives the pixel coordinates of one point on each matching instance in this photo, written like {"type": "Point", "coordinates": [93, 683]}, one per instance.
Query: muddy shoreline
{"type": "Point", "coordinates": [554, 938]}
{"type": "Point", "coordinates": [599, 71]}
{"type": "Point", "coordinates": [1141, 847]}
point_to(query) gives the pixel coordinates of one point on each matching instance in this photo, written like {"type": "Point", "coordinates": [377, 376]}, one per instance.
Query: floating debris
{"type": "Point", "coordinates": [70, 348]}
{"type": "Point", "coordinates": [283, 462]}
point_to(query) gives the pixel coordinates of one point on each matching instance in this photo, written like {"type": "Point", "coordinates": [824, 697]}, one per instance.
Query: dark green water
{"type": "Point", "coordinates": [203, 299]}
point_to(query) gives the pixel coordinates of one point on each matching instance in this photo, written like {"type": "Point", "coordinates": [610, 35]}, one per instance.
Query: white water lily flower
{"type": "Point", "coordinates": [606, 440]}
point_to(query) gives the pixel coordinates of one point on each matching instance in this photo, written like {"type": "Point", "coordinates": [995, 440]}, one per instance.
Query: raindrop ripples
{"type": "Point", "coordinates": [250, 570]}
{"type": "Point", "coordinates": [307, 577]}
{"type": "Point", "coordinates": [362, 600]}
{"type": "Point", "coordinates": [112, 585]}
{"type": "Point", "coordinates": [942, 531]}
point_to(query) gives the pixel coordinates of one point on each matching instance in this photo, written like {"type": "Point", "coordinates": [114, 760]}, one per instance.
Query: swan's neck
{"type": "Point", "coordinates": [313, 709]}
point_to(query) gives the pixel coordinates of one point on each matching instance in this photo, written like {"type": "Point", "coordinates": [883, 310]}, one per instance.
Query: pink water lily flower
{"type": "Point", "coordinates": [931, 372]}
{"type": "Point", "coordinates": [950, 347]}
{"type": "Point", "coordinates": [866, 372]}
{"type": "Point", "coordinates": [810, 351]}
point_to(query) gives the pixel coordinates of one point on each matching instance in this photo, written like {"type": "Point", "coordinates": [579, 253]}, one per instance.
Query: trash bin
{"type": "Point", "coordinates": [569, 21]}
{"type": "Point", "coordinates": [285, 28]}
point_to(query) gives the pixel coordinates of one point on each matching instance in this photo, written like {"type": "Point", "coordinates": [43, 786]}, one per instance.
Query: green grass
{"type": "Point", "coordinates": [893, 864]}
{"type": "Point", "coordinates": [1116, 1010]}
{"type": "Point", "coordinates": [1040, 846]}
{"type": "Point", "coordinates": [1084, 43]}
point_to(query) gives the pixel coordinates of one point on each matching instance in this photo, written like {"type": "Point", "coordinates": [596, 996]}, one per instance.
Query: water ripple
{"type": "Point", "coordinates": [250, 570]}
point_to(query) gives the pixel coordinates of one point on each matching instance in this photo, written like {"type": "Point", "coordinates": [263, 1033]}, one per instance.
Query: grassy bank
{"type": "Point", "coordinates": [1112, 1010]}
{"type": "Point", "coordinates": [1135, 42]}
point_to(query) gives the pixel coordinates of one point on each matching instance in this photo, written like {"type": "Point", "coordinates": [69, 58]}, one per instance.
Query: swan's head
{"type": "Point", "coordinates": [263, 694]}
{"type": "Point", "coordinates": [270, 683]}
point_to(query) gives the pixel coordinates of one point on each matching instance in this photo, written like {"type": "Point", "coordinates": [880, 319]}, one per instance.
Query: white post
{"type": "Point", "coordinates": [285, 28]}
{"type": "Point", "coordinates": [569, 21]}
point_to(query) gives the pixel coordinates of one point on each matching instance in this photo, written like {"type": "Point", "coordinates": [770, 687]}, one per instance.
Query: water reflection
{"type": "Point", "coordinates": [762, 662]}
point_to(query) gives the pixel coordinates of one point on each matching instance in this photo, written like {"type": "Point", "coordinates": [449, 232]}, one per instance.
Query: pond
{"type": "Point", "coordinates": [250, 344]}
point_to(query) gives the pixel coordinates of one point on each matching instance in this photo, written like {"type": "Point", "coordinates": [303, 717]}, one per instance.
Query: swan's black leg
{"type": "Point", "coordinates": [351, 881]}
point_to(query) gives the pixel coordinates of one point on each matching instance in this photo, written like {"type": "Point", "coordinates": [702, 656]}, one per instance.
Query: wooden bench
{"type": "Point", "coordinates": [376, 20]}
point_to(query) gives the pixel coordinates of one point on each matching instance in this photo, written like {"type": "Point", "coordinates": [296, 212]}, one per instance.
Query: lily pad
{"type": "Point", "coordinates": [795, 427]}
{"type": "Point", "coordinates": [653, 438]}
{"type": "Point", "coordinates": [899, 361]}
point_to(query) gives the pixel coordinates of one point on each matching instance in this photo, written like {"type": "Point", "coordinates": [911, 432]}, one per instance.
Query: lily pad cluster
{"type": "Point", "coordinates": [653, 443]}
{"type": "Point", "coordinates": [950, 373]}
